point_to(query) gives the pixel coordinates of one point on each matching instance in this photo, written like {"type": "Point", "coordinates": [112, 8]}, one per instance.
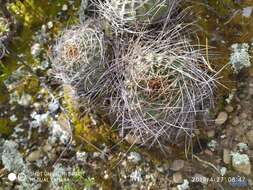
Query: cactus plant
{"type": "Point", "coordinates": [78, 61]}
{"type": "Point", "coordinates": [129, 15]}
{"type": "Point", "coordinates": [162, 86]}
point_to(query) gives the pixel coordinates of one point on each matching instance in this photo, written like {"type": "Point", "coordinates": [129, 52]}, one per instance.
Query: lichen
{"type": "Point", "coordinates": [240, 57]}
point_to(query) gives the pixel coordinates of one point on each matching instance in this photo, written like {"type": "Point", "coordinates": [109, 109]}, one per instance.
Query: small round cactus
{"type": "Point", "coordinates": [129, 15]}
{"type": "Point", "coordinates": [78, 61]}
{"type": "Point", "coordinates": [162, 86]}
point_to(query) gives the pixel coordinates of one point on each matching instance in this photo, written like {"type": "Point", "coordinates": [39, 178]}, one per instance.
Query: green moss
{"type": "Point", "coordinates": [5, 128]}
{"type": "Point", "coordinates": [85, 131]}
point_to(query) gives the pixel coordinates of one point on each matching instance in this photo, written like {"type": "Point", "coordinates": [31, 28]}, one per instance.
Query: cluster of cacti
{"type": "Point", "coordinates": [154, 82]}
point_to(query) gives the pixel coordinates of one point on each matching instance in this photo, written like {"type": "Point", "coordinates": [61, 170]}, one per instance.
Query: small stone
{"type": "Point", "coordinates": [177, 177]}
{"type": "Point", "coordinates": [235, 121]}
{"type": "Point", "coordinates": [221, 118]}
{"type": "Point", "coordinates": [132, 139]}
{"type": "Point", "coordinates": [247, 11]}
{"type": "Point", "coordinates": [177, 165]}
{"type": "Point", "coordinates": [184, 185]}
{"type": "Point", "coordinates": [25, 100]}
{"type": "Point", "coordinates": [210, 133]}
{"type": "Point", "coordinates": [47, 147]}
{"type": "Point", "coordinates": [229, 108]}
{"type": "Point", "coordinates": [50, 24]}
{"type": "Point", "coordinates": [241, 163]}
{"type": "Point", "coordinates": [35, 155]}
{"type": "Point", "coordinates": [36, 49]}
{"type": "Point", "coordinates": [64, 7]}
{"type": "Point", "coordinates": [242, 146]}
{"type": "Point", "coordinates": [13, 118]}
{"type": "Point", "coordinates": [243, 115]}
{"type": "Point", "coordinates": [135, 157]}
{"type": "Point", "coordinates": [223, 171]}
{"type": "Point", "coordinates": [226, 156]}
{"type": "Point", "coordinates": [212, 145]}
{"type": "Point", "coordinates": [53, 106]}
{"type": "Point", "coordinates": [250, 137]}
{"type": "Point", "coordinates": [81, 156]}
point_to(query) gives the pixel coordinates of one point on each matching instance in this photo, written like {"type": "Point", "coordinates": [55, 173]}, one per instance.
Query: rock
{"type": "Point", "coordinates": [35, 155]}
{"type": "Point", "coordinates": [221, 118]}
{"type": "Point", "coordinates": [132, 139]}
{"type": "Point", "coordinates": [241, 163]}
{"type": "Point", "coordinates": [53, 106]}
{"type": "Point", "coordinates": [212, 145]}
{"type": "Point", "coordinates": [229, 108]}
{"type": "Point", "coordinates": [247, 11]}
{"type": "Point", "coordinates": [25, 100]}
{"type": "Point", "coordinates": [135, 157]}
{"type": "Point", "coordinates": [223, 171]}
{"type": "Point", "coordinates": [81, 156]}
{"type": "Point", "coordinates": [177, 165]}
{"type": "Point", "coordinates": [250, 137]}
{"type": "Point", "coordinates": [35, 50]}
{"type": "Point", "coordinates": [47, 147]}
{"type": "Point", "coordinates": [184, 185]}
{"type": "Point", "coordinates": [243, 115]}
{"type": "Point", "coordinates": [242, 146]}
{"type": "Point", "coordinates": [177, 177]}
{"type": "Point", "coordinates": [210, 133]}
{"type": "Point", "coordinates": [235, 121]}
{"type": "Point", "coordinates": [136, 176]}
{"type": "Point", "coordinates": [64, 7]}
{"type": "Point", "coordinates": [226, 156]}
{"type": "Point", "coordinates": [240, 57]}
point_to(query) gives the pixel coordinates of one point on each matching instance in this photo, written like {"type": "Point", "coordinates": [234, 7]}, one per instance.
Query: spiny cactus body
{"type": "Point", "coordinates": [78, 61]}
{"type": "Point", "coordinates": [162, 86]}
{"type": "Point", "coordinates": [129, 15]}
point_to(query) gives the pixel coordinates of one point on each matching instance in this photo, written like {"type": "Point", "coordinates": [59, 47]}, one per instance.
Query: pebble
{"type": "Point", "coordinates": [35, 155]}
{"type": "Point", "coordinates": [250, 137]}
{"type": "Point", "coordinates": [221, 118]}
{"type": "Point", "coordinates": [229, 108]}
{"type": "Point", "coordinates": [226, 156]}
{"type": "Point", "coordinates": [177, 165]}
{"type": "Point", "coordinates": [243, 115]}
{"type": "Point", "coordinates": [64, 7]}
{"type": "Point", "coordinates": [47, 147]}
{"type": "Point", "coordinates": [25, 100]}
{"type": "Point", "coordinates": [184, 185]}
{"type": "Point", "coordinates": [53, 106]}
{"type": "Point", "coordinates": [135, 157]}
{"type": "Point", "coordinates": [235, 121]}
{"type": "Point", "coordinates": [50, 24]}
{"type": "Point", "coordinates": [241, 163]}
{"type": "Point", "coordinates": [177, 177]}
{"type": "Point", "coordinates": [210, 133]}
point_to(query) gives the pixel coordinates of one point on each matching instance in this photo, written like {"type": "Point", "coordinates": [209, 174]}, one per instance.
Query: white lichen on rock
{"type": "Point", "coordinates": [14, 162]}
{"type": "Point", "coordinates": [241, 163]}
{"type": "Point", "coordinates": [184, 185]}
{"type": "Point", "coordinates": [240, 58]}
